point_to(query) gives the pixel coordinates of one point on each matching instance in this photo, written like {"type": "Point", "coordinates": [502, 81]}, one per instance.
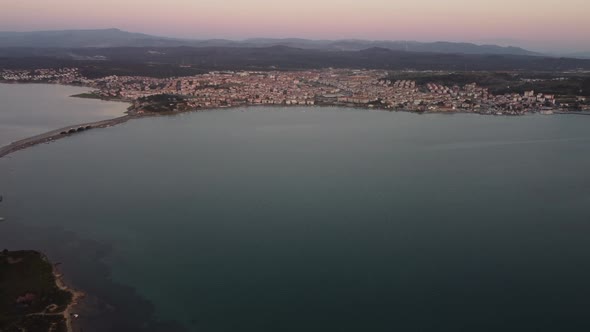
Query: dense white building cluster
{"type": "Point", "coordinates": [363, 88]}
{"type": "Point", "coordinates": [62, 75]}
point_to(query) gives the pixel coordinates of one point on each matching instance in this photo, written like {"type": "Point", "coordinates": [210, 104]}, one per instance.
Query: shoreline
{"type": "Point", "coordinates": [56, 134]}
{"type": "Point", "coordinates": [68, 131]}
{"type": "Point", "coordinates": [76, 296]}
{"type": "Point", "coordinates": [42, 299]}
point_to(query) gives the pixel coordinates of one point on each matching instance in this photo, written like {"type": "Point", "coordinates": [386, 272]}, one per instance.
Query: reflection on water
{"type": "Point", "coordinates": [31, 109]}
{"type": "Point", "coordinates": [325, 220]}
{"type": "Point", "coordinates": [108, 306]}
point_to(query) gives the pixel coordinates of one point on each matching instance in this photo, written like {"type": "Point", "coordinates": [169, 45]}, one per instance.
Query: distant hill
{"type": "Point", "coordinates": [82, 38]}
{"type": "Point", "coordinates": [581, 55]}
{"type": "Point", "coordinates": [273, 58]}
{"type": "Point", "coordinates": [117, 38]}
{"type": "Point", "coordinates": [409, 46]}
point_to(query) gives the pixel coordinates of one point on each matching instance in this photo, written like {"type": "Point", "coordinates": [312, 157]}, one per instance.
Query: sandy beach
{"type": "Point", "coordinates": [76, 297]}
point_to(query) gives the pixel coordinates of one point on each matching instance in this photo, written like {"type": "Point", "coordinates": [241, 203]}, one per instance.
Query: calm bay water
{"type": "Point", "coordinates": [30, 109]}
{"type": "Point", "coordinates": [316, 219]}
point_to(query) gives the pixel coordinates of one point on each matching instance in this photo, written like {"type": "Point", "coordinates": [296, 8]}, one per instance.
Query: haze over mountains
{"type": "Point", "coordinates": [117, 38]}
{"type": "Point", "coordinates": [109, 51]}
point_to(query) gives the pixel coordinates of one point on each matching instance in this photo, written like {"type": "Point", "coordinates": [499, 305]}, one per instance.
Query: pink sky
{"type": "Point", "coordinates": [425, 20]}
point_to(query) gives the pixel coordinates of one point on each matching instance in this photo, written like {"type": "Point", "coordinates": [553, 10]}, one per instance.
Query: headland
{"type": "Point", "coordinates": [35, 298]}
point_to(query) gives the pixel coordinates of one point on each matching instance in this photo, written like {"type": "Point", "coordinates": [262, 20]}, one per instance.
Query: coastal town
{"type": "Point", "coordinates": [345, 87]}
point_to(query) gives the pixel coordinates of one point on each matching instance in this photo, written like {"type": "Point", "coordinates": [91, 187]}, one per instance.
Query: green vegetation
{"type": "Point", "coordinates": [562, 84]}
{"type": "Point", "coordinates": [188, 61]}
{"type": "Point", "coordinates": [29, 297]}
{"type": "Point", "coordinates": [87, 95]}
{"type": "Point", "coordinates": [161, 103]}
{"type": "Point", "coordinates": [102, 69]}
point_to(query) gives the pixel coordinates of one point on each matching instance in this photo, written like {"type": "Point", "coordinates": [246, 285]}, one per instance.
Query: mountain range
{"type": "Point", "coordinates": [108, 38]}
{"type": "Point", "coordinates": [279, 57]}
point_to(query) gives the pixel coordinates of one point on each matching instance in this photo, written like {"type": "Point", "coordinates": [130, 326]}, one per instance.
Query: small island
{"type": "Point", "coordinates": [32, 295]}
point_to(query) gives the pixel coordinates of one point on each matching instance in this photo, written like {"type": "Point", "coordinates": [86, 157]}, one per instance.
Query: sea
{"type": "Point", "coordinates": [312, 219]}
{"type": "Point", "coordinates": [31, 109]}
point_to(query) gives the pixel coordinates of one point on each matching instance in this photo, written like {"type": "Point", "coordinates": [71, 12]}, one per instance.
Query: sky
{"type": "Point", "coordinates": [548, 24]}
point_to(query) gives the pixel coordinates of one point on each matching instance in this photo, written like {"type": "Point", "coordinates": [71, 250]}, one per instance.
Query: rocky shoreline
{"type": "Point", "coordinates": [37, 297]}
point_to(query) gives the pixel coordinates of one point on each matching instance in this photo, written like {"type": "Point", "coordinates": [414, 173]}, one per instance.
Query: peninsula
{"type": "Point", "coordinates": [487, 93]}
{"type": "Point", "coordinates": [408, 91]}
{"type": "Point", "coordinates": [33, 296]}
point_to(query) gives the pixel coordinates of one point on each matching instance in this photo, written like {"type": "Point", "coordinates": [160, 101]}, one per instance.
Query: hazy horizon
{"type": "Point", "coordinates": [531, 45]}
{"type": "Point", "coordinates": [544, 25]}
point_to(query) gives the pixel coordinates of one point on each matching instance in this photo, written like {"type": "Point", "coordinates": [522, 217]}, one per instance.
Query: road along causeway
{"type": "Point", "coordinates": [53, 135]}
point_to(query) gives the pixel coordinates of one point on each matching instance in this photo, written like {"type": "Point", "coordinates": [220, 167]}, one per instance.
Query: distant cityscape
{"type": "Point", "coordinates": [357, 88]}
